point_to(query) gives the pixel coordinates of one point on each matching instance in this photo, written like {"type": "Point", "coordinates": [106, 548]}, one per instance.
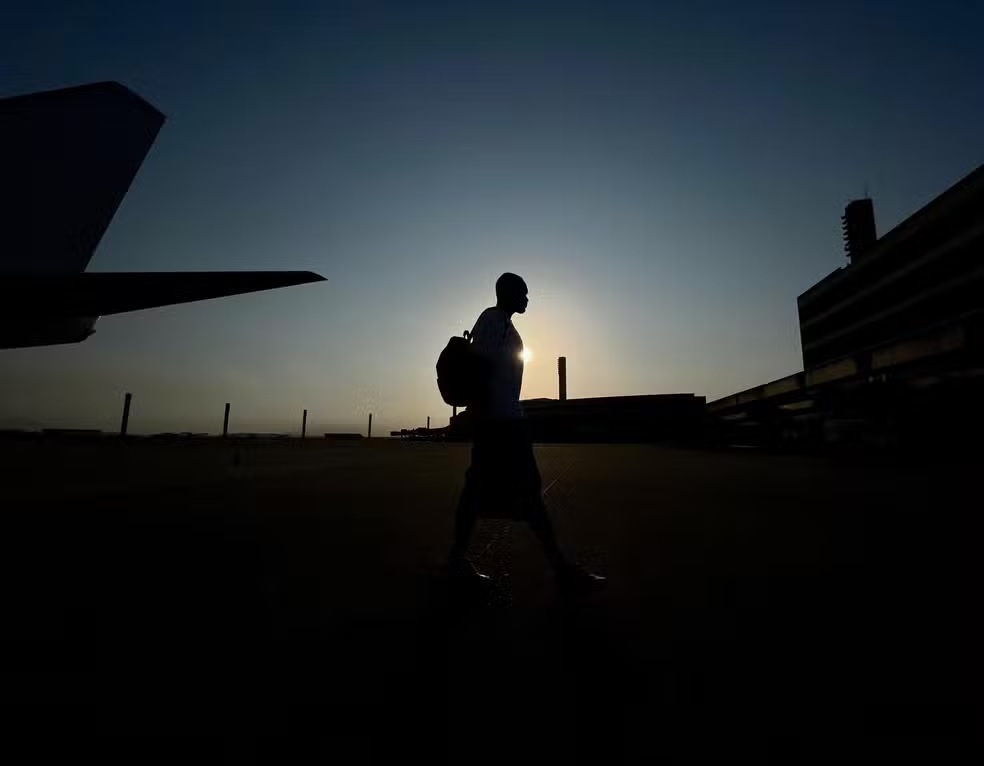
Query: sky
{"type": "Point", "coordinates": [668, 177]}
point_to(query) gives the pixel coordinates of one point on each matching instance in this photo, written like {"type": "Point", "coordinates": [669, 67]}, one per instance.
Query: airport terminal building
{"type": "Point", "coordinates": [893, 342]}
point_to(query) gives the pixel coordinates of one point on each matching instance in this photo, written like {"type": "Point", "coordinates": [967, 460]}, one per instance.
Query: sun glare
{"type": "Point", "coordinates": [526, 355]}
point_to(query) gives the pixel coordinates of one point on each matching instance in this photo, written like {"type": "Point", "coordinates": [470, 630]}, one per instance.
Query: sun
{"type": "Point", "coordinates": [526, 355]}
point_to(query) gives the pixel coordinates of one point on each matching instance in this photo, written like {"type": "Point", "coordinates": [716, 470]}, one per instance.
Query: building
{"type": "Point", "coordinates": [893, 342]}
{"type": "Point", "coordinates": [909, 293]}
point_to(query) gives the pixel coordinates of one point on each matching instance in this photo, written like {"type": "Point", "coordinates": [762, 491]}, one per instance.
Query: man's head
{"type": "Point", "coordinates": [511, 293]}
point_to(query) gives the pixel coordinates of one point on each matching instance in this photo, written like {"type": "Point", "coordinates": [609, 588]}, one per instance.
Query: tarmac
{"type": "Point", "coordinates": [287, 601]}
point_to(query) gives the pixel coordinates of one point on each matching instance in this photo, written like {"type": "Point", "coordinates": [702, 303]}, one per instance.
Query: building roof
{"type": "Point", "coordinates": [967, 187]}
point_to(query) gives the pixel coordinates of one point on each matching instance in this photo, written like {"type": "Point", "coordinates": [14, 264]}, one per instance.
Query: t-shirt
{"type": "Point", "coordinates": [496, 338]}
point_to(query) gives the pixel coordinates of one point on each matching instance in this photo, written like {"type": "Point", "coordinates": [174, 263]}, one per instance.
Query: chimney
{"type": "Point", "coordinates": [562, 372]}
{"type": "Point", "coordinates": [858, 223]}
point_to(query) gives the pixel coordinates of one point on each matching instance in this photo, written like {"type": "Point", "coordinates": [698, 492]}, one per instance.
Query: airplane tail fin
{"type": "Point", "coordinates": [67, 157]}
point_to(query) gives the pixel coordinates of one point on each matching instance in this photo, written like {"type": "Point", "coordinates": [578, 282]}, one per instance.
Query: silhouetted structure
{"type": "Point", "coordinates": [422, 434]}
{"type": "Point", "coordinates": [858, 223]}
{"type": "Point", "coordinates": [562, 378]}
{"type": "Point", "coordinates": [893, 343]}
{"type": "Point", "coordinates": [125, 421]}
{"type": "Point", "coordinates": [73, 432]}
{"type": "Point", "coordinates": [650, 418]}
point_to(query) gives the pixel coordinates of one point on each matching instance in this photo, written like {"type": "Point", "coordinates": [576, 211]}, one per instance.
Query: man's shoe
{"type": "Point", "coordinates": [575, 579]}
{"type": "Point", "coordinates": [469, 587]}
{"type": "Point", "coordinates": [459, 566]}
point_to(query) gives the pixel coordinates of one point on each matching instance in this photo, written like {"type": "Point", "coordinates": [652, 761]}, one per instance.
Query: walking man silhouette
{"type": "Point", "coordinates": [503, 480]}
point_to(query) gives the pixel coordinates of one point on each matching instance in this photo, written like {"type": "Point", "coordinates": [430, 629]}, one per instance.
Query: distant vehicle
{"type": "Point", "coordinates": [68, 157]}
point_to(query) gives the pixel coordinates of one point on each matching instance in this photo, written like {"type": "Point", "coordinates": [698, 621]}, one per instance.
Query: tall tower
{"type": "Point", "coordinates": [562, 373]}
{"type": "Point", "coordinates": [858, 223]}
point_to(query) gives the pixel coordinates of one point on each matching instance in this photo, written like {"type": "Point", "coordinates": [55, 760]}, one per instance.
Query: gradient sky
{"type": "Point", "coordinates": [667, 176]}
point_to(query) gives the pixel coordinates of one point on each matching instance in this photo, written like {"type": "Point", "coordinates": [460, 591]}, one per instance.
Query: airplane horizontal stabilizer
{"type": "Point", "coordinates": [100, 293]}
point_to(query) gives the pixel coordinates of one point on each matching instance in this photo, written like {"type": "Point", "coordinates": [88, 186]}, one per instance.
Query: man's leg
{"type": "Point", "coordinates": [572, 577]}
{"type": "Point", "coordinates": [569, 574]}
{"type": "Point", "coordinates": [526, 475]}
{"type": "Point", "coordinates": [464, 518]}
{"type": "Point", "coordinates": [543, 528]}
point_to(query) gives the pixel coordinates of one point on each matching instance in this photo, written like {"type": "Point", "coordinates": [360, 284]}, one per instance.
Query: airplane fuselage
{"type": "Point", "coordinates": [21, 332]}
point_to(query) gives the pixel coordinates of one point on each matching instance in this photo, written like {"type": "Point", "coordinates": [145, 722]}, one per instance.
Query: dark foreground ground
{"type": "Point", "coordinates": [286, 603]}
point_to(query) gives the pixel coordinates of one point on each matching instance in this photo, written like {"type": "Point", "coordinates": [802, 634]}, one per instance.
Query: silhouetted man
{"type": "Point", "coordinates": [503, 479]}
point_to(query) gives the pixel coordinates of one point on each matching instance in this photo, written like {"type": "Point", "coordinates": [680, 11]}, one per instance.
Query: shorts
{"type": "Point", "coordinates": [503, 479]}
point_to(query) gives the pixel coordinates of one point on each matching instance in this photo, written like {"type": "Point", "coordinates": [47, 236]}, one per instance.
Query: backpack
{"type": "Point", "coordinates": [462, 373]}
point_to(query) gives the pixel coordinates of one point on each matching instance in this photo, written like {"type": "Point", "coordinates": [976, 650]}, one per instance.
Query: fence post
{"type": "Point", "coordinates": [126, 413]}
